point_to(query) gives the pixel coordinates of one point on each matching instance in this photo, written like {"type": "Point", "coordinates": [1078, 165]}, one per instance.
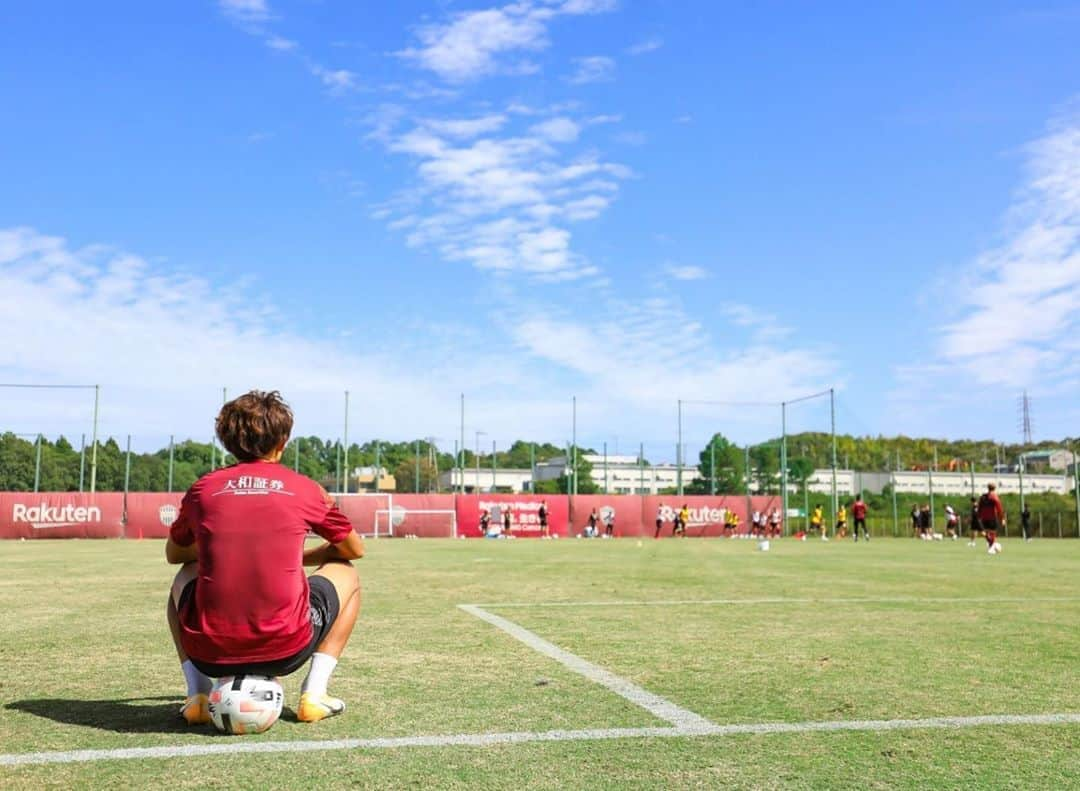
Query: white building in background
{"type": "Point", "coordinates": [851, 482]}
{"type": "Point", "coordinates": [622, 474]}
{"type": "Point", "coordinates": [959, 483]}
{"type": "Point", "coordinates": [1056, 459]}
{"type": "Point", "coordinates": [511, 481]}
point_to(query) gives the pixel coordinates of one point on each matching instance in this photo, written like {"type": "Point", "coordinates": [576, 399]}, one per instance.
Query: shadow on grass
{"type": "Point", "coordinates": [132, 715]}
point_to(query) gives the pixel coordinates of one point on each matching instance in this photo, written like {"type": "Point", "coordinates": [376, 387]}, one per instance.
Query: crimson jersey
{"type": "Point", "coordinates": [249, 522]}
{"type": "Point", "coordinates": [858, 510]}
{"type": "Point", "coordinates": [990, 507]}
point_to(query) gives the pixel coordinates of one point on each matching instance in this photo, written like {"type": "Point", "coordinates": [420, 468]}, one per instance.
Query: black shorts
{"type": "Point", "coordinates": [323, 609]}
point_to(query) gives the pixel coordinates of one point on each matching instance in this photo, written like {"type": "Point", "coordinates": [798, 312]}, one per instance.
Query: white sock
{"type": "Point", "coordinates": [197, 681]}
{"type": "Point", "coordinates": [318, 677]}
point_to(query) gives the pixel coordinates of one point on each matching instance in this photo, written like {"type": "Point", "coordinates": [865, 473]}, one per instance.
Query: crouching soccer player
{"type": "Point", "coordinates": [242, 604]}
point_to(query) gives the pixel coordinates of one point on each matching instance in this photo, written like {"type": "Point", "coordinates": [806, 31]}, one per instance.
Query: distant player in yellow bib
{"type": "Point", "coordinates": [841, 522]}
{"type": "Point", "coordinates": [817, 521]}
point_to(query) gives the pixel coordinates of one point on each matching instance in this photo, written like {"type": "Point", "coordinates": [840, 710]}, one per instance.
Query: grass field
{"type": "Point", "coordinates": [821, 633]}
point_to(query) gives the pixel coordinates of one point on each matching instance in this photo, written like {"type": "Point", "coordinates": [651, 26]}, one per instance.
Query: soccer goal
{"type": "Point", "coordinates": [415, 523]}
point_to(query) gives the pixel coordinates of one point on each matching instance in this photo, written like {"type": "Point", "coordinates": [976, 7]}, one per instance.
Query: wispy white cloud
{"type": "Point", "coordinates": [594, 68]}
{"type": "Point", "coordinates": [631, 138]}
{"type": "Point", "coordinates": [473, 44]}
{"type": "Point", "coordinates": [557, 130]}
{"type": "Point", "coordinates": [642, 47]}
{"type": "Point", "coordinates": [280, 44]}
{"type": "Point", "coordinates": [336, 81]}
{"type": "Point", "coordinates": [495, 195]}
{"type": "Point", "coordinates": [246, 11]}
{"type": "Point", "coordinates": [685, 118]}
{"type": "Point", "coordinates": [685, 272]}
{"type": "Point", "coordinates": [163, 343]}
{"type": "Point", "coordinates": [466, 128]}
{"type": "Point", "coordinates": [1019, 309]}
{"type": "Point", "coordinates": [643, 343]}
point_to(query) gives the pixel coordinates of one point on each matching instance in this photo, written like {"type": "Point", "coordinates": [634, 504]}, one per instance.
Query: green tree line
{"type": "Point", "coordinates": [414, 464]}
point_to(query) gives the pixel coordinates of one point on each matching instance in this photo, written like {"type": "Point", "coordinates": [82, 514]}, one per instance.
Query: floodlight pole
{"type": "Point", "coordinates": [678, 455]}
{"type": "Point", "coordinates": [712, 466]}
{"type": "Point", "coordinates": [746, 478]}
{"type": "Point", "coordinates": [37, 463]}
{"type": "Point", "coordinates": [930, 481]}
{"type": "Point", "coordinates": [93, 448]}
{"type": "Point", "coordinates": [641, 467]}
{"type": "Point", "coordinates": [832, 424]}
{"type": "Point", "coordinates": [573, 446]}
{"type": "Point", "coordinates": [895, 509]}
{"type": "Point", "coordinates": [783, 463]}
{"type": "Point", "coordinates": [127, 467]}
{"type": "Point", "coordinates": [378, 465]}
{"type": "Point", "coordinates": [345, 464]}
{"type": "Point", "coordinates": [460, 460]}
{"type": "Point", "coordinates": [337, 464]}
{"type": "Point", "coordinates": [605, 468]}
{"type": "Point", "coordinates": [1020, 470]}
{"type": "Point", "coordinates": [532, 466]}
{"type": "Point", "coordinates": [1076, 487]}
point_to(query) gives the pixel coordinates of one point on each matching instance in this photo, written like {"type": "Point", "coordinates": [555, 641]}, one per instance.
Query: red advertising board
{"type": "Point", "coordinates": [524, 510]}
{"type": "Point", "coordinates": [624, 511]}
{"type": "Point", "coordinates": [707, 513]}
{"type": "Point", "coordinates": [150, 514]}
{"type": "Point", "coordinates": [61, 515]}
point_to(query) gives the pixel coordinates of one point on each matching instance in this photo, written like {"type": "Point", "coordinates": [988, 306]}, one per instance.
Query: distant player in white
{"type": "Point", "coordinates": [952, 522]}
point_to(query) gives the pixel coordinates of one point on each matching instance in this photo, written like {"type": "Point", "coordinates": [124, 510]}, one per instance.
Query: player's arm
{"type": "Point", "coordinates": [333, 524]}
{"type": "Point", "coordinates": [180, 546]}
{"type": "Point", "coordinates": [178, 554]}
{"type": "Point", "coordinates": [351, 548]}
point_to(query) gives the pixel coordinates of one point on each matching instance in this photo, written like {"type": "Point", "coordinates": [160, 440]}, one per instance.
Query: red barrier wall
{"type": "Point", "coordinates": [74, 515]}
{"type": "Point", "coordinates": [706, 513]}
{"type": "Point", "coordinates": [626, 509]}
{"type": "Point", "coordinates": [524, 513]}
{"type": "Point", "coordinates": [636, 516]}
{"type": "Point", "coordinates": [150, 514]}
{"type": "Point", "coordinates": [61, 515]}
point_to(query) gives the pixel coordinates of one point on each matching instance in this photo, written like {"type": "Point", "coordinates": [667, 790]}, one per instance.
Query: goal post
{"type": "Point", "coordinates": [422, 523]}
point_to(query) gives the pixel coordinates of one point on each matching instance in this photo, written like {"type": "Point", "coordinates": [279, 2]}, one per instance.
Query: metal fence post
{"type": "Point", "coordinates": [37, 463]}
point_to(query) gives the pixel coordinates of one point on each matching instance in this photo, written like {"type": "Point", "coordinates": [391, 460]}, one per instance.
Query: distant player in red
{"type": "Point", "coordinates": [858, 513]}
{"type": "Point", "coordinates": [992, 517]}
{"type": "Point", "coordinates": [242, 604]}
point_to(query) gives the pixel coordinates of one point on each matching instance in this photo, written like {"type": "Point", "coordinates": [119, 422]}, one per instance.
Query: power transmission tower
{"type": "Point", "coordinates": [1025, 418]}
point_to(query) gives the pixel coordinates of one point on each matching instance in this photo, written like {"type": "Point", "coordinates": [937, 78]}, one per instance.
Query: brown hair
{"type": "Point", "coordinates": [252, 426]}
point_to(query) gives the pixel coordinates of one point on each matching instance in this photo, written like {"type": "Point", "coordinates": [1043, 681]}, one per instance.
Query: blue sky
{"type": "Point", "coordinates": [631, 202]}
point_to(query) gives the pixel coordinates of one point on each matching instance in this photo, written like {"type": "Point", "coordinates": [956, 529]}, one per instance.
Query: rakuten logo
{"type": "Point", "coordinates": [44, 515]}
{"type": "Point", "coordinates": [698, 516]}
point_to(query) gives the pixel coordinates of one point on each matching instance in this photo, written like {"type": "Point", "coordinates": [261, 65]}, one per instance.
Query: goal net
{"type": "Point", "coordinates": [419, 523]}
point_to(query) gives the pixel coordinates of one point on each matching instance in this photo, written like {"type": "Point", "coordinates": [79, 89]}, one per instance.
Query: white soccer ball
{"type": "Point", "coordinates": [245, 704]}
{"type": "Point", "coordinates": [763, 545]}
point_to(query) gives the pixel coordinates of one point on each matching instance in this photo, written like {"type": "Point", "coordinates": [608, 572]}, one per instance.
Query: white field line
{"type": "Point", "coordinates": [654, 704]}
{"type": "Point", "coordinates": [233, 747]}
{"type": "Point", "coordinates": [790, 600]}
